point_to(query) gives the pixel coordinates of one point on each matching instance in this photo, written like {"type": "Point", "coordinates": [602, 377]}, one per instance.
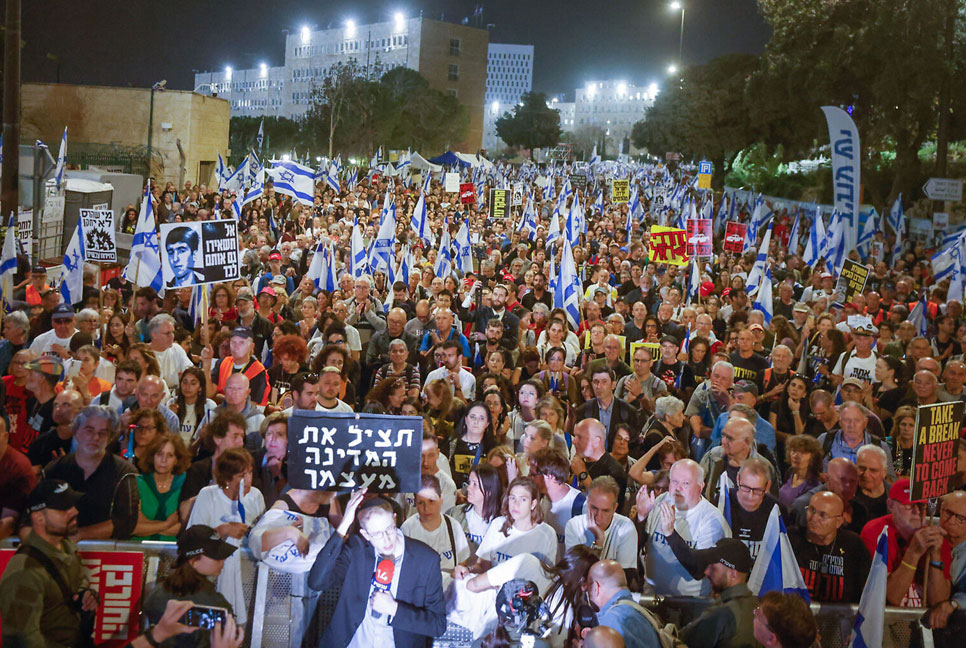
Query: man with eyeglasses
{"type": "Point", "coordinates": [750, 503]}
{"type": "Point", "coordinates": [57, 340]}
{"type": "Point", "coordinates": [914, 548]}
{"type": "Point", "coordinates": [641, 388]}
{"type": "Point", "coordinates": [947, 618]}
{"type": "Point", "coordinates": [737, 446]}
{"type": "Point", "coordinates": [832, 559]}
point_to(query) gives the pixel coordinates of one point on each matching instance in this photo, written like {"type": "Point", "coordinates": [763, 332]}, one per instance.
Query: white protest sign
{"type": "Point", "coordinates": [517, 194]}
{"type": "Point", "coordinates": [451, 183]}
{"type": "Point", "coordinates": [940, 220]}
{"type": "Point", "coordinates": [198, 253]}
{"type": "Point", "coordinates": [100, 206]}
{"type": "Point", "coordinates": [53, 209]}
{"type": "Point", "coordinates": [99, 243]}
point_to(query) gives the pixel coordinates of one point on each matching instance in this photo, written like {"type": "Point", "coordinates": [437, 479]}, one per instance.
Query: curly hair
{"type": "Point", "coordinates": [182, 456]}
{"type": "Point", "coordinates": [293, 346]}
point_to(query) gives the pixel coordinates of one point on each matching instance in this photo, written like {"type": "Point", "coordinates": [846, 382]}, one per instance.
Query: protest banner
{"type": "Point", "coordinates": [467, 193]}
{"type": "Point", "coordinates": [99, 243]}
{"type": "Point", "coordinates": [53, 209]}
{"type": "Point", "coordinates": [345, 451]}
{"type": "Point", "coordinates": [699, 237]}
{"type": "Point", "coordinates": [852, 280]}
{"type": "Point", "coordinates": [668, 245]}
{"type": "Point", "coordinates": [578, 180]}
{"type": "Point", "coordinates": [451, 182]}
{"type": "Point", "coordinates": [498, 203]}
{"type": "Point", "coordinates": [198, 253]}
{"type": "Point", "coordinates": [117, 577]}
{"type": "Point", "coordinates": [735, 237]}
{"type": "Point", "coordinates": [518, 192]}
{"type": "Point", "coordinates": [620, 191]}
{"type": "Point", "coordinates": [25, 230]}
{"type": "Point", "coordinates": [935, 448]}
{"type": "Point", "coordinates": [940, 221]}
{"type": "Point", "coordinates": [653, 347]}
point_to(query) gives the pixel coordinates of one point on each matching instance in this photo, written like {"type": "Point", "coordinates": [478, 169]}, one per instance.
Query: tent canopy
{"type": "Point", "coordinates": [417, 161]}
{"type": "Point", "coordinates": [449, 158]}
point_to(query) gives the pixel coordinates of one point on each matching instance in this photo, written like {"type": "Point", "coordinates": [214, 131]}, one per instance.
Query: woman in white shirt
{"type": "Point", "coordinates": [230, 506]}
{"type": "Point", "coordinates": [441, 532]}
{"type": "Point", "coordinates": [520, 529]}
{"type": "Point", "coordinates": [484, 497]}
{"type": "Point", "coordinates": [190, 405]}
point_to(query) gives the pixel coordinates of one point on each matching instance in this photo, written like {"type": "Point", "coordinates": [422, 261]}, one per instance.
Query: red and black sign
{"type": "Point", "coordinates": [467, 193]}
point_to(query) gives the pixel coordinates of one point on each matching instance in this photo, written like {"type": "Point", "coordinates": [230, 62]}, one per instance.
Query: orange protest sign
{"type": "Point", "coordinates": [668, 245]}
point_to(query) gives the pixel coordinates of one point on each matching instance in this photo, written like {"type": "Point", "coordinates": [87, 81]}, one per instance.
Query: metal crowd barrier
{"type": "Point", "coordinates": [285, 613]}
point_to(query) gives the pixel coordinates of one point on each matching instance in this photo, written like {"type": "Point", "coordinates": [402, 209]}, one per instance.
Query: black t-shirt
{"type": "Point", "coordinates": [669, 374]}
{"type": "Point", "coordinates": [875, 506]}
{"type": "Point", "coordinates": [530, 299]}
{"type": "Point", "coordinates": [749, 526]}
{"type": "Point", "coordinates": [281, 379]}
{"type": "Point", "coordinates": [835, 573]}
{"type": "Point", "coordinates": [40, 416]}
{"type": "Point", "coordinates": [466, 455]}
{"type": "Point", "coordinates": [607, 465]}
{"type": "Point", "coordinates": [47, 447]}
{"type": "Point", "coordinates": [752, 368]}
{"type": "Point", "coordinates": [198, 475]}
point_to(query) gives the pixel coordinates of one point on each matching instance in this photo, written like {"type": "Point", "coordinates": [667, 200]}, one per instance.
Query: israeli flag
{"type": "Point", "coordinates": [357, 253]}
{"type": "Point", "coordinates": [573, 222]}
{"type": "Point", "coordinates": [464, 252]}
{"type": "Point", "coordinates": [763, 301]}
{"type": "Point", "coordinates": [599, 202]}
{"type": "Point", "coordinates": [399, 272]}
{"type": "Point", "coordinates": [295, 180]}
{"type": "Point", "coordinates": [594, 158]}
{"type": "Point", "coordinates": [754, 277]}
{"type": "Point", "coordinates": [332, 177]}
{"type": "Point", "coordinates": [331, 270]}
{"type": "Point", "coordinates": [776, 568]}
{"type": "Point", "coordinates": [61, 161]}
{"type": "Point", "coordinates": [383, 247]}
{"type": "Point", "coordinates": [236, 208]}
{"type": "Point", "coordinates": [261, 134]}
{"type": "Point", "coordinates": [528, 222]}
{"type": "Point", "coordinates": [317, 268]}
{"type": "Point", "coordinates": [867, 233]}
{"type": "Point", "coordinates": [956, 278]}
{"type": "Point", "coordinates": [695, 281]}
{"type": "Point", "coordinates": [836, 250]}
{"type": "Point", "coordinates": [221, 173]}
{"type": "Point", "coordinates": [444, 257]}
{"type": "Point", "coordinates": [256, 170]}
{"type": "Point", "coordinates": [919, 316]}
{"type": "Point", "coordinates": [256, 189]}
{"type": "Point", "coordinates": [8, 260]}
{"type": "Point", "coordinates": [554, 232]}
{"type": "Point", "coordinates": [817, 246]}
{"type": "Point", "coordinates": [724, 498]}
{"type": "Point", "coordinates": [867, 629]}
{"type": "Point", "coordinates": [751, 235]}
{"type": "Point", "coordinates": [552, 277]}
{"type": "Point", "coordinates": [636, 208]}
{"type": "Point", "coordinates": [235, 182]}
{"type": "Point", "coordinates": [898, 225]}
{"type": "Point", "coordinates": [794, 234]}
{"type": "Point", "coordinates": [72, 287]}
{"type": "Point", "coordinates": [567, 293]}
{"type": "Point", "coordinates": [144, 268]}
{"type": "Point", "coordinates": [419, 222]}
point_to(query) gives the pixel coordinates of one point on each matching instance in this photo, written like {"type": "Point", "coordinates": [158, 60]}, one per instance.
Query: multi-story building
{"type": "Point", "coordinates": [451, 57]}
{"type": "Point", "coordinates": [612, 106]}
{"type": "Point", "coordinates": [509, 74]}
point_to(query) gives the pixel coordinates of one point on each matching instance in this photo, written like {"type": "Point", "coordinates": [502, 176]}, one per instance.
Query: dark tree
{"type": "Point", "coordinates": [531, 125]}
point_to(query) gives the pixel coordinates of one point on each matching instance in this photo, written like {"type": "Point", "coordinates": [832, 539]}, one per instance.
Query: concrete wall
{"type": "Point", "coordinates": [110, 115]}
{"type": "Point", "coordinates": [435, 59]}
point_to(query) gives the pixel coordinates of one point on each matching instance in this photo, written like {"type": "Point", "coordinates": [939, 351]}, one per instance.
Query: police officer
{"type": "Point", "coordinates": [45, 597]}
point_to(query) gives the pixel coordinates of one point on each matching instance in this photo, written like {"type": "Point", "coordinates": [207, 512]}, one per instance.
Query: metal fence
{"type": "Point", "coordinates": [285, 613]}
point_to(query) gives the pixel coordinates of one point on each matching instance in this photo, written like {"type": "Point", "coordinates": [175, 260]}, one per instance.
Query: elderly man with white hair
{"type": "Point", "coordinates": [16, 325]}
{"type": "Point", "coordinates": [873, 493]}
{"type": "Point", "coordinates": [697, 525]}
{"type": "Point", "coordinates": [365, 311]}
{"type": "Point", "coordinates": [172, 358]}
{"type": "Point", "coordinates": [852, 433]}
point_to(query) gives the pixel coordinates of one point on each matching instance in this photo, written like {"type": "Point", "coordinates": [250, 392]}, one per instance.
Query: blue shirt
{"type": "Point", "coordinates": [636, 630]}
{"type": "Point", "coordinates": [427, 342]}
{"type": "Point", "coordinates": [764, 432]}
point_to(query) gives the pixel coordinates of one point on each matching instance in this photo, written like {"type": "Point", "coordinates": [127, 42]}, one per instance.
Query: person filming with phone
{"type": "Point", "coordinates": [392, 589]}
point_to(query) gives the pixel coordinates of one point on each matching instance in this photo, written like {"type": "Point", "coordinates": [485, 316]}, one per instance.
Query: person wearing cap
{"type": "Point", "coordinates": [45, 586]}
{"type": "Point", "coordinates": [109, 508]}
{"type": "Point", "coordinates": [859, 362]}
{"type": "Point", "coordinates": [275, 270]}
{"type": "Point", "coordinates": [43, 374]}
{"type": "Point", "coordinates": [201, 557]}
{"type": "Point", "coordinates": [739, 302]}
{"type": "Point", "coordinates": [729, 621]}
{"type": "Point", "coordinates": [242, 345]}
{"type": "Point", "coordinates": [606, 587]}
{"type": "Point", "coordinates": [249, 317]}
{"type": "Point", "coordinates": [267, 300]}
{"type": "Point", "coordinates": [915, 546]}
{"type": "Point", "coordinates": [33, 292]}
{"type": "Point", "coordinates": [410, 611]}
{"type": "Point", "coordinates": [57, 340]}
{"type": "Point", "coordinates": [676, 374]}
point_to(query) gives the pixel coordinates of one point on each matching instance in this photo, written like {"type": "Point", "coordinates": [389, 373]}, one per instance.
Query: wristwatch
{"type": "Point", "coordinates": [582, 476]}
{"type": "Point", "coordinates": [149, 637]}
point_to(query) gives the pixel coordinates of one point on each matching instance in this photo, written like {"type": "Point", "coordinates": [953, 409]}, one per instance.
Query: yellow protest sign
{"type": "Point", "coordinates": [620, 191]}
{"type": "Point", "coordinates": [653, 347]}
{"type": "Point", "coordinates": [668, 245]}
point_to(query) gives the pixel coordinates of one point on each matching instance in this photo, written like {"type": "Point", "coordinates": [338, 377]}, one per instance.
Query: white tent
{"type": "Point", "coordinates": [417, 161]}
{"type": "Point", "coordinates": [475, 160]}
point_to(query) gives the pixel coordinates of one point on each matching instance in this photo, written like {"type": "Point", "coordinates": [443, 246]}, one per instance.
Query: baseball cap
{"type": "Point", "coordinates": [268, 290]}
{"type": "Point", "coordinates": [202, 540]}
{"type": "Point", "coordinates": [49, 364]}
{"type": "Point", "coordinates": [706, 289]}
{"type": "Point", "coordinates": [827, 275]}
{"type": "Point", "coordinates": [853, 381]}
{"type": "Point", "coordinates": [865, 328]}
{"type": "Point", "coordinates": [275, 256]}
{"type": "Point", "coordinates": [730, 552]}
{"type": "Point", "coordinates": [669, 338]}
{"type": "Point", "coordinates": [39, 269]}
{"type": "Point", "coordinates": [745, 387]}
{"type": "Point", "coordinates": [244, 295]}
{"type": "Point", "coordinates": [54, 494]}
{"type": "Point", "coordinates": [901, 492]}
{"type": "Point", "coordinates": [800, 307]}
{"type": "Point", "coordinates": [243, 332]}
{"type": "Point", "coordinates": [279, 280]}
{"type": "Point", "coordinates": [63, 311]}
{"type": "Point", "coordinates": [756, 325]}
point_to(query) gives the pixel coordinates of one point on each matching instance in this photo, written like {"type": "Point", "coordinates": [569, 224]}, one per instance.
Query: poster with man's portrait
{"type": "Point", "coordinates": [199, 253]}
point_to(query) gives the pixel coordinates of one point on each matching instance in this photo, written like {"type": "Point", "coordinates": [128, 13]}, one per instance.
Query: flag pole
{"type": "Point", "coordinates": [204, 316]}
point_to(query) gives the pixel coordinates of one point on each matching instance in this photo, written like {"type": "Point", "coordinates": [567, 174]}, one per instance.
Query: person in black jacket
{"type": "Point", "coordinates": [410, 612]}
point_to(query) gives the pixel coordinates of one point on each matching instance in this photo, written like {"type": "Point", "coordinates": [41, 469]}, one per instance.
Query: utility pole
{"type": "Point", "coordinates": [9, 187]}
{"type": "Point", "coordinates": [945, 90]}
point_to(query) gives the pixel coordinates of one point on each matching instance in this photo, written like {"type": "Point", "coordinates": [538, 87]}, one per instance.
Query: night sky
{"type": "Point", "coordinates": [138, 42]}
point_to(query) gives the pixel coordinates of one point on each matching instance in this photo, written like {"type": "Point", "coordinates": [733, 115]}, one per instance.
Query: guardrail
{"type": "Point", "coordinates": [285, 613]}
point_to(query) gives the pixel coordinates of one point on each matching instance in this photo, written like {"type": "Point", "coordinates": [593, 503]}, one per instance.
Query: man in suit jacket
{"type": "Point", "coordinates": [497, 310]}
{"type": "Point", "coordinates": [607, 408]}
{"type": "Point", "coordinates": [406, 614]}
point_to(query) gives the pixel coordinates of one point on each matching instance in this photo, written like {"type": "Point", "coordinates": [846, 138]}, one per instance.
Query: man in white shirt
{"type": "Point", "coordinates": [171, 357]}
{"type": "Point", "coordinates": [604, 529]}
{"type": "Point", "coordinates": [696, 520]}
{"type": "Point", "coordinates": [429, 466]}
{"type": "Point", "coordinates": [57, 340]}
{"type": "Point", "coordinates": [860, 362]}
{"type": "Point", "coordinates": [453, 372]}
{"type": "Point", "coordinates": [550, 471]}
{"type": "Point", "coordinates": [330, 382]}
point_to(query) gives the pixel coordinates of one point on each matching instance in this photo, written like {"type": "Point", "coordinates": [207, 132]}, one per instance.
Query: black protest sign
{"type": "Point", "coordinates": [578, 180]}
{"type": "Point", "coordinates": [345, 451]}
{"type": "Point", "coordinates": [852, 280]}
{"type": "Point", "coordinates": [99, 244]}
{"type": "Point", "coordinates": [934, 450]}
{"type": "Point", "coordinates": [198, 253]}
{"type": "Point", "coordinates": [499, 203]}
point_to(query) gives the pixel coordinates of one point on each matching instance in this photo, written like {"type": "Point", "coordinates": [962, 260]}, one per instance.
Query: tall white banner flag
{"type": "Point", "coordinates": [844, 139]}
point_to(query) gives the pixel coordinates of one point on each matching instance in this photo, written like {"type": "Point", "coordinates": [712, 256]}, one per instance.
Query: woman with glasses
{"type": "Point", "coordinates": [163, 466]}
{"type": "Point", "coordinates": [473, 441]}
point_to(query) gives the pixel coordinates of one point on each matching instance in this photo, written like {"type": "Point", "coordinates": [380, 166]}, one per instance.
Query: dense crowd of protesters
{"type": "Point", "coordinates": [554, 450]}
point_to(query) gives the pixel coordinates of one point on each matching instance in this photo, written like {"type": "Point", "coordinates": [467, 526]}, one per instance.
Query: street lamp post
{"type": "Point", "coordinates": [157, 87]}
{"type": "Point", "coordinates": [675, 6]}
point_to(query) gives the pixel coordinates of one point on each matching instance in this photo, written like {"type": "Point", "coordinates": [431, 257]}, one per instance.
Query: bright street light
{"type": "Point", "coordinates": [350, 29]}
{"type": "Point", "coordinates": [621, 88]}
{"type": "Point", "coordinates": [400, 21]}
{"type": "Point", "coordinates": [286, 157]}
{"type": "Point", "coordinates": [672, 69]}
{"type": "Point", "coordinates": [653, 89]}
{"type": "Point", "coordinates": [676, 6]}
{"type": "Point", "coordinates": [227, 73]}
{"type": "Point", "coordinates": [306, 34]}
{"type": "Point", "coordinates": [263, 70]}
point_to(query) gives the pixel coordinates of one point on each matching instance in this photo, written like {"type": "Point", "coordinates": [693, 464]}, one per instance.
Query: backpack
{"type": "Point", "coordinates": [666, 634]}
{"type": "Point", "coordinates": [577, 508]}
{"type": "Point", "coordinates": [830, 439]}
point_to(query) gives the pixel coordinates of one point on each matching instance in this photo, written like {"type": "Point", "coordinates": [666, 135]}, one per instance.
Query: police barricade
{"type": "Point", "coordinates": [285, 613]}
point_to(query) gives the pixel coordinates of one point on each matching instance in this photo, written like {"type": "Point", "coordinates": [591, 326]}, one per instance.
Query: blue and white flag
{"type": "Point", "coordinates": [331, 270]}
{"type": "Point", "coordinates": [817, 246]}
{"type": "Point", "coordinates": [256, 189]}
{"type": "Point", "coordinates": [8, 261]}
{"type": "Point", "coordinates": [72, 287]}
{"type": "Point", "coordinates": [867, 233]}
{"type": "Point", "coordinates": [757, 270]}
{"type": "Point", "coordinates": [221, 173]}
{"type": "Point", "coordinates": [795, 234]}
{"type": "Point", "coordinates": [919, 317]}
{"type": "Point", "coordinates": [751, 234]}
{"type": "Point", "coordinates": [444, 256]}
{"type": "Point", "coordinates": [599, 202]}
{"type": "Point", "coordinates": [567, 294]}
{"type": "Point", "coordinates": [261, 134]}
{"type": "Point", "coordinates": [553, 233]}
{"type": "Point", "coordinates": [837, 233]}
{"type": "Point", "coordinates": [464, 252]}
{"type": "Point", "coordinates": [332, 178]}
{"type": "Point", "coordinates": [61, 161]}
{"type": "Point", "coordinates": [384, 244]}
{"type": "Point", "coordinates": [236, 208]}
{"type": "Point", "coordinates": [898, 225]}
{"type": "Point", "coordinates": [594, 158]}
{"type": "Point", "coordinates": [528, 222]}
{"type": "Point", "coordinates": [636, 208]}
{"type": "Point", "coordinates": [235, 182]}
{"type": "Point", "coordinates": [694, 283]}
{"type": "Point", "coordinates": [144, 268]}
{"type": "Point", "coordinates": [357, 253]}
{"type": "Point", "coordinates": [776, 568]}
{"type": "Point", "coordinates": [955, 290]}
{"type": "Point", "coordinates": [573, 222]}
{"type": "Point", "coordinates": [763, 301]}
{"type": "Point", "coordinates": [724, 497]}
{"type": "Point", "coordinates": [400, 271]}
{"type": "Point", "coordinates": [317, 268]}
{"type": "Point", "coordinates": [295, 180]}
{"type": "Point", "coordinates": [846, 169]}
{"type": "Point", "coordinates": [867, 629]}
{"type": "Point", "coordinates": [419, 222]}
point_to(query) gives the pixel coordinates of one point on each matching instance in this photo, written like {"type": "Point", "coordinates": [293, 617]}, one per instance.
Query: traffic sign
{"type": "Point", "coordinates": [944, 189]}
{"type": "Point", "coordinates": [704, 167]}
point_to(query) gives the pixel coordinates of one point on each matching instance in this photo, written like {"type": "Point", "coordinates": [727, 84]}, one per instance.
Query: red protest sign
{"type": "Point", "coordinates": [467, 193]}
{"type": "Point", "coordinates": [699, 237]}
{"type": "Point", "coordinates": [735, 237]}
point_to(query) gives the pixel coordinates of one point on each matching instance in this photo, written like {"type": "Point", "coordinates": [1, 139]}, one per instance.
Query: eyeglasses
{"type": "Point", "coordinates": [748, 490]}
{"type": "Point", "coordinates": [821, 515]}
{"type": "Point", "coordinates": [946, 513]}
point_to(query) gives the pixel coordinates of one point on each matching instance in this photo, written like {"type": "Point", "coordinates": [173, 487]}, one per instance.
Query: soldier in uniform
{"type": "Point", "coordinates": [45, 598]}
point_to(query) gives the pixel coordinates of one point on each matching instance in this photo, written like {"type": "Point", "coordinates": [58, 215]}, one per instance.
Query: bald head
{"type": "Point", "coordinates": [590, 438]}
{"type": "Point", "coordinates": [606, 578]}
{"type": "Point", "coordinates": [830, 502]}
{"type": "Point", "coordinates": [603, 637]}
{"type": "Point", "coordinates": [842, 478]}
